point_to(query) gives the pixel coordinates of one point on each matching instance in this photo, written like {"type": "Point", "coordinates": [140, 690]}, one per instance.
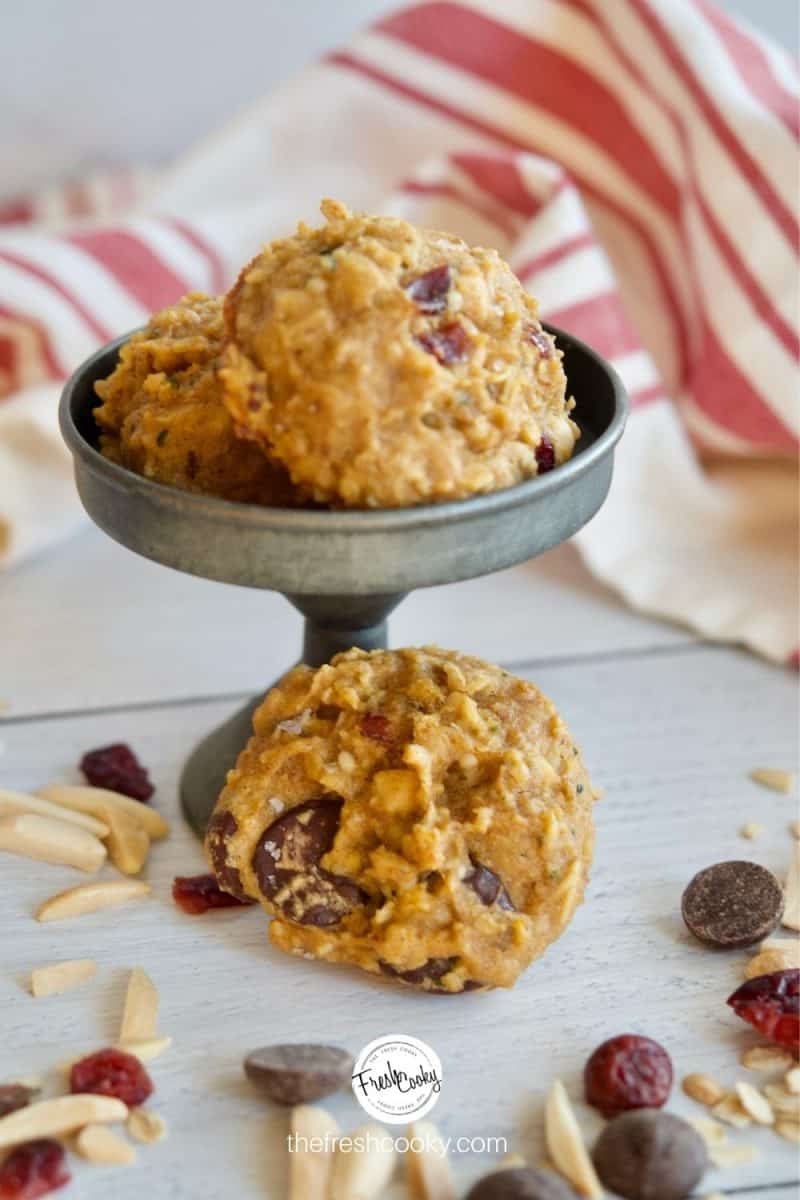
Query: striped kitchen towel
{"type": "Point", "coordinates": [636, 162]}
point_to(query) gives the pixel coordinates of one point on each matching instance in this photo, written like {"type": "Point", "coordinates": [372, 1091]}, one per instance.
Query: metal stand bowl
{"type": "Point", "coordinates": [344, 570]}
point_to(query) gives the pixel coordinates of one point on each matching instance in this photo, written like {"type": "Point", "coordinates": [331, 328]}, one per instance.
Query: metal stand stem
{"type": "Point", "coordinates": [205, 771]}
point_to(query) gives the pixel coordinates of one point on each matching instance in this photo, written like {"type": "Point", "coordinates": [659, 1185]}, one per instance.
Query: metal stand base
{"type": "Point", "coordinates": [206, 769]}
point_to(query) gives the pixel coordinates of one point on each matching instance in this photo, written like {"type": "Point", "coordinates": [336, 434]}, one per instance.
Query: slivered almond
{"type": "Point", "coordinates": [791, 906]}
{"type": "Point", "coordinates": [128, 842]}
{"type": "Point", "coordinates": [712, 1133]}
{"type": "Point", "coordinates": [768, 961]}
{"type": "Point", "coordinates": [95, 801]}
{"type": "Point", "coordinates": [704, 1089]}
{"type": "Point", "coordinates": [510, 1162]}
{"type": "Point", "coordinates": [310, 1170]}
{"type": "Point", "coordinates": [733, 1156]}
{"type": "Point", "coordinates": [791, 1081]}
{"type": "Point", "coordinates": [565, 1143]}
{"type": "Point", "coordinates": [794, 829]}
{"type": "Point", "coordinates": [428, 1173]}
{"type": "Point", "coordinates": [770, 777]}
{"type": "Point", "coordinates": [60, 977]}
{"type": "Point", "coordinates": [47, 840]}
{"type": "Point", "coordinates": [785, 1103]}
{"type": "Point", "coordinates": [146, 1126]}
{"type": "Point", "coordinates": [755, 1104]}
{"type": "Point", "coordinates": [789, 1130]}
{"type": "Point", "coordinates": [140, 1015]}
{"type": "Point", "coordinates": [89, 897]}
{"type": "Point", "coordinates": [363, 1174]}
{"type": "Point", "coordinates": [51, 1118]}
{"type": "Point", "coordinates": [99, 1145]}
{"type": "Point", "coordinates": [751, 831]}
{"type": "Point", "coordinates": [147, 1050]}
{"type": "Point", "coordinates": [731, 1112]}
{"type": "Point", "coordinates": [765, 1058]}
{"type": "Point", "coordinates": [16, 802]}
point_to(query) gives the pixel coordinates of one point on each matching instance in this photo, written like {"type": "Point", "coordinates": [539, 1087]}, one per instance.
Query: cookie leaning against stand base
{"type": "Point", "coordinates": [418, 813]}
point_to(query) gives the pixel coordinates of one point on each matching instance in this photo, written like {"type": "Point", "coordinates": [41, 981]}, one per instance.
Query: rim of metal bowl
{"type": "Point", "coordinates": [345, 520]}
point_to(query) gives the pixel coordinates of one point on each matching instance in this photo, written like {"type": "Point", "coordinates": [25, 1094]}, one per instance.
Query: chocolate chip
{"type": "Point", "coordinates": [222, 826]}
{"type": "Point", "coordinates": [649, 1155]}
{"type": "Point", "coordinates": [488, 887]}
{"type": "Point", "coordinates": [732, 904]}
{"type": "Point", "coordinates": [298, 1074]}
{"type": "Point", "coordinates": [429, 976]}
{"type": "Point", "coordinates": [521, 1183]}
{"type": "Point", "coordinates": [286, 863]}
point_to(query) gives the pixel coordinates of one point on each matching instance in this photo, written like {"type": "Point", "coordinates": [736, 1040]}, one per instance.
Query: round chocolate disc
{"type": "Point", "coordinates": [732, 904]}
{"type": "Point", "coordinates": [298, 1074]}
{"type": "Point", "coordinates": [650, 1155]}
{"type": "Point", "coordinates": [521, 1183]}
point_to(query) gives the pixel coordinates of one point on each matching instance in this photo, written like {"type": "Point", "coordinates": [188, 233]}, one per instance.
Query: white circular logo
{"type": "Point", "coordinates": [397, 1078]}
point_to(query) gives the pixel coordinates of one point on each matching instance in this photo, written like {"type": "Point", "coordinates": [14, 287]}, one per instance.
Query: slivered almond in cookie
{"type": "Point", "coordinates": [148, 1049]}
{"type": "Point", "coordinates": [47, 840]}
{"type": "Point", "coordinates": [146, 1126]}
{"type": "Point", "coordinates": [89, 897]}
{"type": "Point", "coordinates": [310, 1170]}
{"type": "Point", "coordinates": [52, 1118]}
{"type": "Point", "coordinates": [703, 1089]}
{"type": "Point", "coordinates": [140, 1015]}
{"type": "Point", "coordinates": [17, 802]}
{"type": "Point", "coordinates": [428, 1173]}
{"type": "Point", "coordinates": [128, 841]}
{"type": "Point", "coordinates": [95, 801]}
{"type": "Point", "coordinates": [102, 1146]}
{"type": "Point", "coordinates": [60, 977]}
{"type": "Point", "coordinates": [565, 1143]}
{"type": "Point", "coordinates": [755, 1104]}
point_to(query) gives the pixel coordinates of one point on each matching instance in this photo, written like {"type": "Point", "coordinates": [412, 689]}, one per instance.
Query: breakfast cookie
{"type": "Point", "coordinates": [419, 813]}
{"type": "Point", "coordinates": [388, 366]}
{"type": "Point", "coordinates": [161, 414]}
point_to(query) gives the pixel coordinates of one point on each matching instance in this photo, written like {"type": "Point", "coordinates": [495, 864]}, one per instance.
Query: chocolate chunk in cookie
{"type": "Point", "coordinates": [286, 864]}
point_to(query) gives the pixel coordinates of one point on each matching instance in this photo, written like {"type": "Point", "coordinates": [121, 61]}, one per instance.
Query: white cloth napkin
{"type": "Point", "coordinates": [635, 162]}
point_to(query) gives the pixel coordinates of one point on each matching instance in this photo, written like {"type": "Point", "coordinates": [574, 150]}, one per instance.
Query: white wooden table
{"type": "Point", "coordinates": [97, 645]}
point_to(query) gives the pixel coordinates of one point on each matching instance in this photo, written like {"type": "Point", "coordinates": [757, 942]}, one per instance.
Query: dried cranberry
{"type": "Point", "coordinates": [628, 1072]}
{"type": "Point", "coordinates": [771, 1003]}
{"type": "Point", "coordinates": [429, 291]}
{"type": "Point", "coordinates": [117, 768]}
{"type": "Point", "coordinates": [449, 344]}
{"type": "Point", "coordinates": [377, 728]}
{"type": "Point", "coordinates": [540, 340]}
{"type": "Point", "coordinates": [545, 455]}
{"type": "Point", "coordinates": [14, 1096]}
{"type": "Point", "coordinates": [32, 1170]}
{"type": "Point", "coordinates": [198, 893]}
{"type": "Point", "coordinates": [112, 1073]}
